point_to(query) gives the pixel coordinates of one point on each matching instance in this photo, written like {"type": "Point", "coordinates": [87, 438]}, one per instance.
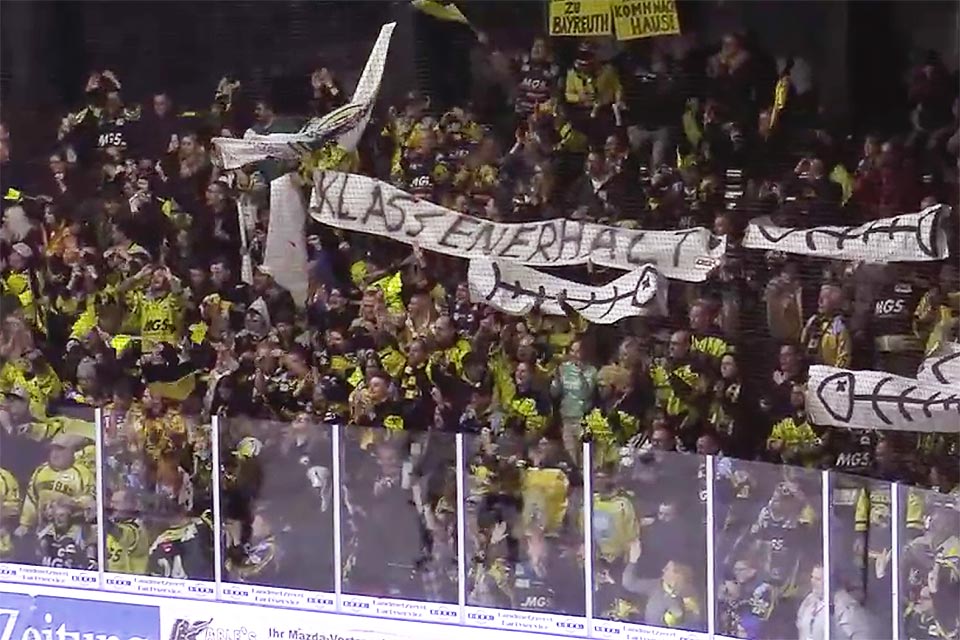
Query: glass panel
{"type": "Point", "coordinates": [769, 549]}
{"type": "Point", "coordinates": [158, 494]}
{"type": "Point", "coordinates": [929, 543]}
{"type": "Point", "coordinates": [861, 558]}
{"type": "Point", "coordinates": [524, 539]}
{"type": "Point", "coordinates": [399, 514]}
{"type": "Point", "coordinates": [276, 503]}
{"type": "Point", "coordinates": [48, 509]}
{"type": "Point", "coordinates": [649, 540]}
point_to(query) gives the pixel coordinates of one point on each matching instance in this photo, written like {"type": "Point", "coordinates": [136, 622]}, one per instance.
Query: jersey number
{"type": "Point", "coordinates": [571, 8]}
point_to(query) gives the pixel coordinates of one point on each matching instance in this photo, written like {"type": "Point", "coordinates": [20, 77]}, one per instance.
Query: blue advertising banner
{"type": "Point", "coordinates": [24, 617]}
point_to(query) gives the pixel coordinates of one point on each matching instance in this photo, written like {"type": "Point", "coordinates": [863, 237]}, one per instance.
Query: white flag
{"type": "Point", "coordinates": [344, 124]}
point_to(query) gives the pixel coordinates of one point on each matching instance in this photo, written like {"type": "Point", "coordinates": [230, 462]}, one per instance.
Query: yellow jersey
{"type": "Point", "coordinates": [9, 505]}
{"type": "Point", "coordinates": [41, 387]}
{"type": "Point", "coordinates": [19, 285]}
{"type": "Point", "coordinates": [160, 319]}
{"type": "Point", "coordinates": [47, 484]}
{"type": "Point", "coordinates": [128, 548]}
{"type": "Point", "coordinates": [544, 498]}
{"type": "Point", "coordinates": [615, 526]}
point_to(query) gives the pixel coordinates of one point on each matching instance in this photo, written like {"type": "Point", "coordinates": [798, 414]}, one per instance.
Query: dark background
{"type": "Point", "coordinates": [859, 51]}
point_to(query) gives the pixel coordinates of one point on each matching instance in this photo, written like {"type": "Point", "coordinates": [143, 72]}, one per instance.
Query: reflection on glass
{"type": "Point", "coordinates": [649, 535]}
{"type": "Point", "coordinates": [48, 511]}
{"type": "Point", "coordinates": [768, 543]}
{"type": "Point", "coordinates": [524, 542]}
{"type": "Point", "coordinates": [399, 514]}
{"type": "Point", "coordinates": [158, 493]}
{"type": "Point", "coordinates": [929, 564]}
{"type": "Point", "coordinates": [861, 556]}
{"type": "Point", "coordinates": [277, 502]}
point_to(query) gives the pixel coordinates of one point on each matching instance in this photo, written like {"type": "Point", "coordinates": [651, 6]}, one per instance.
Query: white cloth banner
{"type": "Point", "coordinates": [907, 238]}
{"type": "Point", "coordinates": [285, 256]}
{"type": "Point", "coordinates": [879, 400]}
{"type": "Point", "coordinates": [942, 367]}
{"type": "Point", "coordinates": [247, 217]}
{"type": "Point", "coordinates": [345, 124]}
{"type": "Point", "coordinates": [515, 289]}
{"type": "Point", "coordinates": [367, 205]}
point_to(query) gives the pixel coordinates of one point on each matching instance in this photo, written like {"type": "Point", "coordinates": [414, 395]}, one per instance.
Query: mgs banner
{"type": "Point", "coordinates": [878, 400]}
{"type": "Point", "coordinates": [367, 205]}
{"type": "Point", "coordinates": [907, 238]}
{"type": "Point", "coordinates": [583, 18]}
{"type": "Point", "coordinates": [644, 18]}
{"type": "Point", "coordinates": [515, 289]}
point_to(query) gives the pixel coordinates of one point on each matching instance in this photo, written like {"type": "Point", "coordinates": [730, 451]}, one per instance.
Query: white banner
{"type": "Point", "coordinates": [278, 597]}
{"type": "Point", "coordinates": [907, 238]}
{"type": "Point", "coordinates": [943, 367]}
{"type": "Point", "coordinates": [367, 205]}
{"type": "Point", "coordinates": [879, 400]}
{"type": "Point", "coordinates": [53, 576]}
{"type": "Point", "coordinates": [516, 289]}
{"type": "Point", "coordinates": [247, 220]}
{"type": "Point", "coordinates": [285, 256]}
{"type": "Point", "coordinates": [345, 123]}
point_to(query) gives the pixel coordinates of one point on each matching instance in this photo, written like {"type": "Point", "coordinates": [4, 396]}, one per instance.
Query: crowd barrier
{"type": "Point", "coordinates": [462, 529]}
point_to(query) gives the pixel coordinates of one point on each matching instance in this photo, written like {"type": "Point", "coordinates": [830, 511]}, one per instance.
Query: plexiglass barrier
{"type": "Point", "coordinates": [523, 512]}
{"type": "Point", "coordinates": [861, 522]}
{"type": "Point", "coordinates": [49, 515]}
{"type": "Point", "coordinates": [276, 491]}
{"type": "Point", "coordinates": [398, 523]}
{"type": "Point", "coordinates": [649, 535]}
{"type": "Point", "coordinates": [768, 543]}
{"type": "Point", "coordinates": [495, 531]}
{"type": "Point", "coordinates": [157, 499]}
{"type": "Point", "coordinates": [928, 581]}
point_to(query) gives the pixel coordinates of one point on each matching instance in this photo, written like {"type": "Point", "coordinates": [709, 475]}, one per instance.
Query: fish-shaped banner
{"type": "Point", "coordinates": [910, 237]}
{"type": "Point", "coordinates": [516, 289]}
{"type": "Point", "coordinates": [879, 400]}
{"type": "Point", "coordinates": [943, 367]}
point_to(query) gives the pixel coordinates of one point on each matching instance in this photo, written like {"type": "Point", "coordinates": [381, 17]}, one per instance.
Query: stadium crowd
{"type": "Point", "coordinates": [121, 263]}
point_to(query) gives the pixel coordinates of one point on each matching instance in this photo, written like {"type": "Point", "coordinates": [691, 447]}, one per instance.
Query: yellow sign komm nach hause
{"type": "Point", "coordinates": [644, 18]}
{"type": "Point", "coordinates": [580, 18]}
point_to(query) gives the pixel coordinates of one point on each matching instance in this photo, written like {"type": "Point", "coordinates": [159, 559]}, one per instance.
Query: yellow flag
{"type": "Point", "coordinates": [178, 390]}
{"type": "Point", "coordinates": [13, 194]}
{"type": "Point", "coordinates": [449, 12]}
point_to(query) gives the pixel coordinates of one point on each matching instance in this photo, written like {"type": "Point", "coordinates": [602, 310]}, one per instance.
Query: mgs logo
{"type": "Point", "coordinates": [186, 630]}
